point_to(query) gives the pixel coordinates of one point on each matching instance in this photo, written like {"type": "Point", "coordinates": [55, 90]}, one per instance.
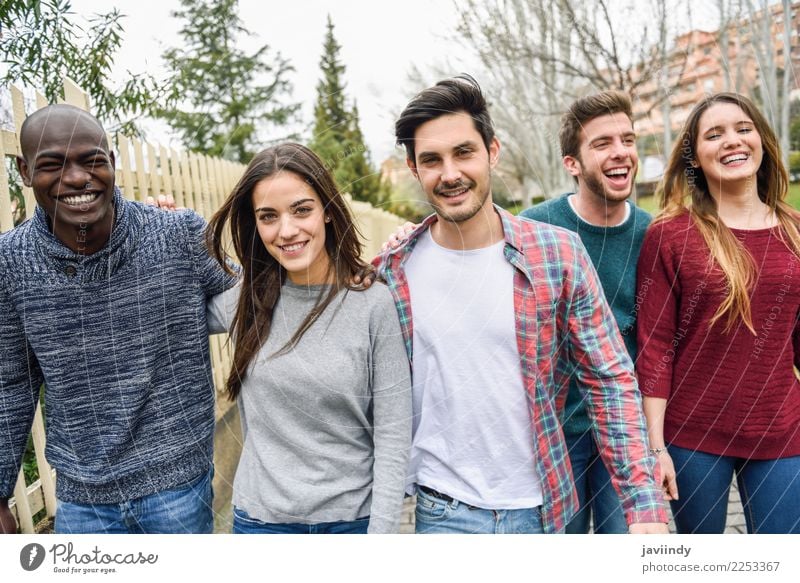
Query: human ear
{"type": "Point", "coordinates": [494, 152]}
{"type": "Point", "coordinates": [571, 165]}
{"type": "Point", "coordinates": [413, 167]}
{"type": "Point", "coordinates": [22, 166]}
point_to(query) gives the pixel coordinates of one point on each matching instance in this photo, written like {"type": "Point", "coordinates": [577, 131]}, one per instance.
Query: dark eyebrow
{"type": "Point", "coordinates": [296, 204]}
{"type": "Point", "coordinates": [462, 146]}
{"type": "Point", "coordinates": [292, 206]}
{"type": "Point", "coordinates": [736, 123]}
{"type": "Point", "coordinates": [95, 152]}
{"type": "Point", "coordinates": [593, 141]}
{"type": "Point", "coordinates": [627, 134]}
{"type": "Point", "coordinates": [60, 154]}
{"type": "Point", "coordinates": [49, 154]}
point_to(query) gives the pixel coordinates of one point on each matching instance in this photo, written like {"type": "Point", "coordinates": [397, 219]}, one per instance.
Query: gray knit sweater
{"type": "Point", "coordinates": [327, 425]}
{"type": "Point", "coordinates": [120, 340]}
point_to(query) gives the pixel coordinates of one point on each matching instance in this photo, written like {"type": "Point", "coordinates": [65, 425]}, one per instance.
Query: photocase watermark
{"type": "Point", "coordinates": [680, 333]}
{"type": "Point", "coordinates": [687, 151]}
{"type": "Point", "coordinates": [775, 311]}
{"type": "Point", "coordinates": [82, 228]}
{"type": "Point", "coordinates": [32, 556]}
{"type": "Point", "coordinates": [65, 558]}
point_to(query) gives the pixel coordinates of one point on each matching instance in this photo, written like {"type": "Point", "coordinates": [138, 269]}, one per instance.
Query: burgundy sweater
{"type": "Point", "coordinates": [730, 394]}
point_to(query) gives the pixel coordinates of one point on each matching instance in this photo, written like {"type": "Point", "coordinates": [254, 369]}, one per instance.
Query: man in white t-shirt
{"type": "Point", "coordinates": [495, 301]}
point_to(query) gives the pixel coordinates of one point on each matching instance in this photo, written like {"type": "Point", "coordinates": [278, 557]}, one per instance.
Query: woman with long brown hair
{"type": "Point", "coordinates": [319, 369]}
{"type": "Point", "coordinates": [718, 299]}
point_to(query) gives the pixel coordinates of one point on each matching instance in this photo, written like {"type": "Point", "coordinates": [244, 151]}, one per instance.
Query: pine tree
{"type": "Point", "coordinates": [337, 139]}
{"type": "Point", "coordinates": [221, 105]}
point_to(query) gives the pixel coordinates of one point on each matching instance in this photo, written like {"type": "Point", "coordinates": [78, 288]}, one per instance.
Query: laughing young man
{"type": "Point", "coordinates": [493, 308]}
{"type": "Point", "coordinates": [104, 301]}
{"type": "Point", "coordinates": [598, 146]}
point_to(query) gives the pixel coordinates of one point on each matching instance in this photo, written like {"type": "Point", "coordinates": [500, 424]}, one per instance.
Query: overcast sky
{"type": "Point", "coordinates": [380, 40]}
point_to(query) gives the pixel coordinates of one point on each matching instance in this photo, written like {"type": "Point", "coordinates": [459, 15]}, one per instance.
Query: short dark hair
{"type": "Point", "coordinates": [586, 109]}
{"type": "Point", "coordinates": [459, 93]}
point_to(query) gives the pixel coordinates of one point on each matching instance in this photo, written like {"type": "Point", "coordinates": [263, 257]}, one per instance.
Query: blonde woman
{"type": "Point", "coordinates": [718, 298]}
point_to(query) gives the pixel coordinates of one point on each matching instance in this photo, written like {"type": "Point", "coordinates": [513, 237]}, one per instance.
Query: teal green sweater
{"type": "Point", "coordinates": [614, 252]}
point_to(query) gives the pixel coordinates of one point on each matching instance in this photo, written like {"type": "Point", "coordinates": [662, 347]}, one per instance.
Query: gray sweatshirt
{"type": "Point", "coordinates": [327, 425]}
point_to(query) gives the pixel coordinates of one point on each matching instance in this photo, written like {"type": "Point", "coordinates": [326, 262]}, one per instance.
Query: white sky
{"type": "Point", "coordinates": [380, 40]}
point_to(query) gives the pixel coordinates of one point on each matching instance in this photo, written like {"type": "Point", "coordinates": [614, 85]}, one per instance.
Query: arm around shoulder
{"type": "Point", "coordinates": [214, 278]}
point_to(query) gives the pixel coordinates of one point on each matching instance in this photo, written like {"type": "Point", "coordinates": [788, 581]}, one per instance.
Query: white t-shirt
{"type": "Point", "coordinates": [473, 435]}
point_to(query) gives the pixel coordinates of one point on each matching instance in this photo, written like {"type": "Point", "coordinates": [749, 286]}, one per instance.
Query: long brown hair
{"type": "Point", "coordinates": [262, 274]}
{"type": "Point", "coordinates": [684, 187]}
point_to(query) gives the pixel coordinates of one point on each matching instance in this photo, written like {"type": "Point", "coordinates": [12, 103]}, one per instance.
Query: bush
{"type": "Point", "coordinates": [794, 166]}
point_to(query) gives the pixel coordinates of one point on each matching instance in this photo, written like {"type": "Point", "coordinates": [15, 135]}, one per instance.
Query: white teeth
{"type": "Point", "coordinates": [79, 199]}
{"type": "Point", "coordinates": [617, 172]}
{"type": "Point", "coordinates": [733, 158]}
{"type": "Point", "coordinates": [292, 247]}
{"type": "Point", "coordinates": [453, 192]}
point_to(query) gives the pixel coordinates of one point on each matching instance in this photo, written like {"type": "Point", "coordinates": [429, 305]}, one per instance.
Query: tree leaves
{"type": "Point", "coordinates": [220, 96]}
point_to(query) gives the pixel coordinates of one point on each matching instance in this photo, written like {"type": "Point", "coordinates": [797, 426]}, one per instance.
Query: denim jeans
{"type": "Point", "coordinates": [596, 495]}
{"type": "Point", "coordinates": [769, 489]}
{"type": "Point", "coordinates": [436, 516]}
{"type": "Point", "coordinates": [245, 524]}
{"type": "Point", "coordinates": [185, 509]}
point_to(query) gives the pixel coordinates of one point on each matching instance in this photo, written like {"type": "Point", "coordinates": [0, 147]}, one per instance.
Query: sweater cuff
{"type": "Point", "coordinates": [381, 525]}
{"type": "Point", "coordinates": [657, 390]}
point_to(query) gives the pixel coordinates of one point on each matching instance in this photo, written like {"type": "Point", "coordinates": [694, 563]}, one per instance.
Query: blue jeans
{"type": "Point", "coordinates": [769, 489]}
{"type": "Point", "coordinates": [185, 509]}
{"type": "Point", "coordinates": [245, 524]}
{"type": "Point", "coordinates": [436, 516]}
{"type": "Point", "coordinates": [596, 495]}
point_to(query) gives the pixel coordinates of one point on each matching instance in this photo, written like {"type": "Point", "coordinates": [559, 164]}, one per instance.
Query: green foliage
{"type": "Point", "coordinates": [41, 43]}
{"type": "Point", "coordinates": [217, 104]}
{"type": "Point", "coordinates": [15, 190]}
{"type": "Point", "coordinates": [794, 164]}
{"type": "Point", "coordinates": [338, 140]}
{"type": "Point", "coordinates": [29, 466]}
{"type": "Point", "coordinates": [794, 134]}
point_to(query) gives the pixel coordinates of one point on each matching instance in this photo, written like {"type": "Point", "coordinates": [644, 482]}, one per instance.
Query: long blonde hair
{"type": "Point", "coordinates": [684, 188]}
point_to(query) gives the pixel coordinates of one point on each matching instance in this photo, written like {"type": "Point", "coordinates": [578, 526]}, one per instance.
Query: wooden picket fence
{"type": "Point", "coordinates": [196, 181]}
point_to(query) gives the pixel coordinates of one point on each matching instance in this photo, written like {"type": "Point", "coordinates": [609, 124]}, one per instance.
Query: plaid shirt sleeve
{"type": "Point", "coordinates": [605, 373]}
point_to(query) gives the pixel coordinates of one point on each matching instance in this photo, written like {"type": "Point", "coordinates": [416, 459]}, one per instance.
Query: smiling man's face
{"type": "Point", "coordinates": [68, 164]}
{"type": "Point", "coordinates": [453, 166]}
{"type": "Point", "coordinates": [607, 164]}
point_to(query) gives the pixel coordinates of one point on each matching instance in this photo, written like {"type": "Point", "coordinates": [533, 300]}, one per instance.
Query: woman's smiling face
{"type": "Point", "coordinates": [728, 147]}
{"type": "Point", "coordinates": [291, 224]}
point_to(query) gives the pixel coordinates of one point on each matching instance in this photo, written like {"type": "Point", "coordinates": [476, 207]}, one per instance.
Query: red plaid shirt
{"type": "Point", "coordinates": [561, 314]}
